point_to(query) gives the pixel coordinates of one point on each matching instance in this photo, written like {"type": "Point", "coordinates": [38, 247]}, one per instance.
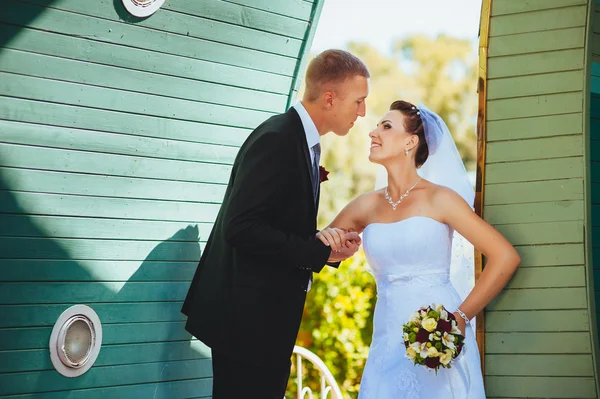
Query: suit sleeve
{"type": "Point", "coordinates": [259, 177]}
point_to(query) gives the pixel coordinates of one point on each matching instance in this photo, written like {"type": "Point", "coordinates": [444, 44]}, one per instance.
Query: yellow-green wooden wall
{"type": "Point", "coordinates": [594, 129]}
{"type": "Point", "coordinates": [117, 137]}
{"type": "Point", "coordinates": [540, 337]}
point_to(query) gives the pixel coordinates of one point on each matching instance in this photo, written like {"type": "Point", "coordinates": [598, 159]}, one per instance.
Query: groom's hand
{"type": "Point", "coordinates": [337, 239]}
{"type": "Point", "coordinates": [343, 244]}
{"type": "Point", "coordinates": [346, 251]}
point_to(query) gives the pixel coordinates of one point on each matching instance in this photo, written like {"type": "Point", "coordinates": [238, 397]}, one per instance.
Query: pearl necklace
{"type": "Point", "coordinates": [395, 204]}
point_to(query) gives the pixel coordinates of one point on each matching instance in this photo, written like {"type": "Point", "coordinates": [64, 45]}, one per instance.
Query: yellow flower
{"type": "Point", "coordinates": [429, 324]}
{"type": "Point", "coordinates": [446, 357]}
{"type": "Point", "coordinates": [411, 353]}
{"type": "Point", "coordinates": [432, 352]}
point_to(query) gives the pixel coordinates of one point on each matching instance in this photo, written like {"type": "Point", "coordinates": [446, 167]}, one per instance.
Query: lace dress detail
{"type": "Point", "coordinates": [410, 260]}
{"type": "Point", "coordinates": [408, 385]}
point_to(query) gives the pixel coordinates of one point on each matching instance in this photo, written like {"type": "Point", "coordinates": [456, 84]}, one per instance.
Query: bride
{"type": "Point", "coordinates": [409, 227]}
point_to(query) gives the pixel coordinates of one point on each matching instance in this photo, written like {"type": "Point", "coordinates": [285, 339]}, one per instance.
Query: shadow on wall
{"type": "Point", "coordinates": [40, 280]}
{"type": "Point", "coordinates": [15, 17]}
{"type": "Point", "coordinates": [18, 17]}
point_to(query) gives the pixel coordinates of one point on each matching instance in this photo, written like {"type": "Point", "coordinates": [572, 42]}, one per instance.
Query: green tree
{"type": "Point", "coordinates": [444, 71]}
{"type": "Point", "coordinates": [440, 73]}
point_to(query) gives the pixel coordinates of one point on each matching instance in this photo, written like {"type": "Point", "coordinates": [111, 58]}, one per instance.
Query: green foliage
{"type": "Point", "coordinates": [338, 317]}
{"type": "Point", "coordinates": [440, 73]}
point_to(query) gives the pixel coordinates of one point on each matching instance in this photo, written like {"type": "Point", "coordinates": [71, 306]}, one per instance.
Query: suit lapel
{"type": "Point", "coordinates": [318, 197]}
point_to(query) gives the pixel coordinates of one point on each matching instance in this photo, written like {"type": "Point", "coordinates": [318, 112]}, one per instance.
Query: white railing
{"type": "Point", "coordinates": [328, 383]}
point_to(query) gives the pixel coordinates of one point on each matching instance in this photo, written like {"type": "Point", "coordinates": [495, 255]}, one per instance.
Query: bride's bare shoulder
{"type": "Point", "coordinates": [364, 203]}
{"type": "Point", "coordinates": [356, 213]}
{"type": "Point", "coordinates": [370, 198]}
{"type": "Point", "coordinates": [443, 196]}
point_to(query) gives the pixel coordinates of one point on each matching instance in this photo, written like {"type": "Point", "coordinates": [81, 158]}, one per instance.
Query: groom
{"type": "Point", "coordinates": [247, 296]}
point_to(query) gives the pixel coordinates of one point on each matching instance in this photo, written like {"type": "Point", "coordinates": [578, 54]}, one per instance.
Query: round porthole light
{"type": "Point", "coordinates": [142, 8]}
{"type": "Point", "coordinates": [75, 341]}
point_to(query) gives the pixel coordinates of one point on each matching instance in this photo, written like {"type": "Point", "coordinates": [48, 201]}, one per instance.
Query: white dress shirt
{"type": "Point", "coordinates": [312, 138]}
{"type": "Point", "coordinates": [312, 134]}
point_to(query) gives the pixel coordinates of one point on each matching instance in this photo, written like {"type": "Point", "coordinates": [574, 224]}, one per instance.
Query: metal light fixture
{"type": "Point", "coordinates": [75, 341]}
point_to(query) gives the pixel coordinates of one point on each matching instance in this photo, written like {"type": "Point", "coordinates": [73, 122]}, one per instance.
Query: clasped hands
{"type": "Point", "coordinates": [343, 243]}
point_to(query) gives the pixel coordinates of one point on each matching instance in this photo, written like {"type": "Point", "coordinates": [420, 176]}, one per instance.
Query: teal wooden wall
{"type": "Point", "coordinates": [117, 137]}
{"type": "Point", "coordinates": [539, 339]}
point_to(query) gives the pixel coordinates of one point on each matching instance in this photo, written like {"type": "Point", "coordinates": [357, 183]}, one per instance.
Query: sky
{"type": "Point", "coordinates": [382, 21]}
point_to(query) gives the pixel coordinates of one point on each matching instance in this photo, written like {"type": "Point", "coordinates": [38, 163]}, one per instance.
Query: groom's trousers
{"type": "Point", "coordinates": [240, 379]}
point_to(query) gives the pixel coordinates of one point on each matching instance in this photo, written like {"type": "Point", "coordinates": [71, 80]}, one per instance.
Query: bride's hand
{"type": "Point", "coordinates": [462, 325]}
{"type": "Point", "coordinates": [337, 238]}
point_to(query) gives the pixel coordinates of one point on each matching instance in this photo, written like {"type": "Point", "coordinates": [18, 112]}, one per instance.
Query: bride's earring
{"type": "Point", "coordinates": [406, 151]}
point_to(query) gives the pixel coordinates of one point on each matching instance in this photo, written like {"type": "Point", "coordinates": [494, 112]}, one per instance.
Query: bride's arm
{"type": "Point", "coordinates": [352, 218]}
{"type": "Point", "coordinates": [502, 258]}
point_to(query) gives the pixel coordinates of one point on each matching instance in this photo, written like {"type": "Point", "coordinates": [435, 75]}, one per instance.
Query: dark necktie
{"type": "Point", "coordinates": [315, 170]}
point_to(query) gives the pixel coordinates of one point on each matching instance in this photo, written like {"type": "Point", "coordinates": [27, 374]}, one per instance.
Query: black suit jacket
{"type": "Point", "coordinates": [247, 296]}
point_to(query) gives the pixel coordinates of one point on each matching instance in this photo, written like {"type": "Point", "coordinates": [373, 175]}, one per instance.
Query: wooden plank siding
{"type": "Point", "coordinates": [593, 89]}
{"type": "Point", "coordinates": [117, 137]}
{"type": "Point", "coordinates": [538, 333]}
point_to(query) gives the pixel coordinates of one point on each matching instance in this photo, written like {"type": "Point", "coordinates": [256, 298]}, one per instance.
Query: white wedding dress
{"type": "Point", "coordinates": [410, 260]}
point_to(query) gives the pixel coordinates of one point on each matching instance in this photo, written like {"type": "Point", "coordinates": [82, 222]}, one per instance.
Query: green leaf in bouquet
{"type": "Point", "coordinates": [412, 337]}
{"type": "Point", "coordinates": [433, 314]}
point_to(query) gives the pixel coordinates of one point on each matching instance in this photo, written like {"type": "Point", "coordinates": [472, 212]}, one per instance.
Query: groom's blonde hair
{"type": "Point", "coordinates": [330, 68]}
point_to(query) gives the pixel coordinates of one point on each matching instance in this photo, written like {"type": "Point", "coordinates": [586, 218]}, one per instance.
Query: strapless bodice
{"type": "Point", "coordinates": [415, 248]}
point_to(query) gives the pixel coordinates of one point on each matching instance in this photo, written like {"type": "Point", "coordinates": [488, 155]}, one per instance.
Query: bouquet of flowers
{"type": "Point", "coordinates": [432, 337]}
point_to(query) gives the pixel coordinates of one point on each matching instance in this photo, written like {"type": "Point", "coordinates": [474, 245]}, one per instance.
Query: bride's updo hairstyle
{"type": "Point", "coordinates": [413, 125]}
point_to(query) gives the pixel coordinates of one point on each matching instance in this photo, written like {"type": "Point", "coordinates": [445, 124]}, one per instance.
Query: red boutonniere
{"type": "Point", "coordinates": [323, 174]}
